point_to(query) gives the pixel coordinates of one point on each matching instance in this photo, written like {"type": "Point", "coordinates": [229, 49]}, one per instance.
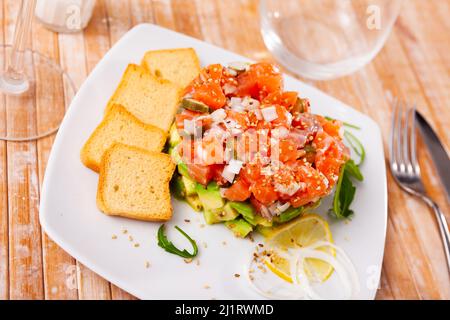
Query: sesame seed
{"type": "Point", "coordinates": [237, 275]}
{"type": "Point", "coordinates": [147, 264]}
{"type": "Point", "coordinates": [124, 231]}
{"type": "Point", "coordinates": [114, 237]}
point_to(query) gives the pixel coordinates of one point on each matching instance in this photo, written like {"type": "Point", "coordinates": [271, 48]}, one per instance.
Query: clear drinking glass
{"type": "Point", "coordinates": [34, 90]}
{"type": "Point", "coordinates": [325, 39]}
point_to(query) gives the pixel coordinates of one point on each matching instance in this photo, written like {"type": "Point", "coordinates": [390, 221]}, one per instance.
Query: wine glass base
{"type": "Point", "coordinates": [39, 110]}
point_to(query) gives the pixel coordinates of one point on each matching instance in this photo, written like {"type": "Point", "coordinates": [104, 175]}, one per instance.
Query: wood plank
{"type": "Point", "coordinates": [57, 264]}
{"type": "Point", "coordinates": [208, 15]}
{"type": "Point", "coordinates": [250, 42]}
{"type": "Point", "coordinates": [185, 18]}
{"type": "Point", "coordinates": [25, 259]}
{"type": "Point", "coordinates": [118, 15]}
{"type": "Point", "coordinates": [141, 11]}
{"type": "Point", "coordinates": [162, 13]}
{"type": "Point", "coordinates": [91, 286]}
{"type": "Point", "coordinates": [4, 254]}
{"type": "Point", "coordinates": [96, 44]}
{"type": "Point", "coordinates": [396, 71]}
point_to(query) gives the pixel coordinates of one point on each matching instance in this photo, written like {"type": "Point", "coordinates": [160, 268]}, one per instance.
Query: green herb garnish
{"type": "Point", "coordinates": [356, 145]}
{"type": "Point", "coordinates": [345, 190]}
{"type": "Point", "coordinates": [164, 243]}
{"type": "Point", "coordinates": [346, 124]}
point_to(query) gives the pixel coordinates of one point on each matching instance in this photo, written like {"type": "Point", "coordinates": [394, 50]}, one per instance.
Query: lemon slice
{"type": "Point", "coordinates": [302, 232]}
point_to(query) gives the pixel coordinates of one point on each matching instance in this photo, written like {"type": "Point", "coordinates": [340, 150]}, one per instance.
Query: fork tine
{"type": "Point", "coordinates": [399, 138]}
{"type": "Point", "coordinates": [406, 140]}
{"type": "Point", "coordinates": [414, 163]}
{"type": "Point", "coordinates": [394, 135]}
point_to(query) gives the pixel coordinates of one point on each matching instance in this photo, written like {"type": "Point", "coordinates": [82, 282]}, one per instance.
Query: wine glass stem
{"type": "Point", "coordinates": [14, 76]}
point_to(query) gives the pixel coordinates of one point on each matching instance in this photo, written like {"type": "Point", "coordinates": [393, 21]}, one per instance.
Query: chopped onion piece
{"type": "Point", "coordinates": [228, 175]}
{"type": "Point", "coordinates": [280, 132]}
{"type": "Point", "coordinates": [289, 190]}
{"type": "Point", "coordinates": [283, 207]}
{"type": "Point", "coordinates": [232, 72]}
{"type": "Point", "coordinates": [267, 171]}
{"type": "Point", "coordinates": [289, 118]}
{"type": "Point", "coordinates": [269, 114]}
{"type": "Point", "coordinates": [258, 114]}
{"type": "Point", "coordinates": [238, 108]}
{"type": "Point", "coordinates": [265, 213]}
{"type": "Point", "coordinates": [239, 66]}
{"type": "Point", "coordinates": [273, 209]}
{"type": "Point", "coordinates": [250, 103]}
{"type": "Point", "coordinates": [234, 101]}
{"type": "Point", "coordinates": [235, 166]}
{"type": "Point", "coordinates": [218, 115]}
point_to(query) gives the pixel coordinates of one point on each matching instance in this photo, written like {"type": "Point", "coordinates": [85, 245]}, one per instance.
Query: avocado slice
{"type": "Point", "coordinates": [246, 210]}
{"type": "Point", "coordinates": [313, 206]}
{"type": "Point", "coordinates": [210, 196]}
{"type": "Point", "coordinates": [173, 152]}
{"type": "Point", "coordinates": [248, 213]}
{"type": "Point", "coordinates": [194, 105]}
{"type": "Point", "coordinates": [177, 187]}
{"type": "Point", "coordinates": [220, 215]}
{"type": "Point", "coordinates": [183, 170]}
{"type": "Point", "coordinates": [289, 214]}
{"type": "Point", "coordinates": [194, 202]}
{"type": "Point", "coordinates": [260, 221]}
{"type": "Point", "coordinates": [189, 186]}
{"type": "Point", "coordinates": [212, 216]}
{"type": "Point", "coordinates": [228, 213]}
{"type": "Point", "coordinates": [240, 227]}
{"type": "Point", "coordinates": [174, 136]}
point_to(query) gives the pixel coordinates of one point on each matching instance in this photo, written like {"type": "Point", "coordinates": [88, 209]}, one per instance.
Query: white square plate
{"type": "Point", "coordinates": [69, 215]}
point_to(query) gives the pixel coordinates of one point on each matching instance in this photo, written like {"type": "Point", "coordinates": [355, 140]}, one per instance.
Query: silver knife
{"type": "Point", "coordinates": [437, 150]}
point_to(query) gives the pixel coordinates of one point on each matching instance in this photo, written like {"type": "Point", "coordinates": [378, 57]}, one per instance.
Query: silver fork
{"type": "Point", "coordinates": [405, 168]}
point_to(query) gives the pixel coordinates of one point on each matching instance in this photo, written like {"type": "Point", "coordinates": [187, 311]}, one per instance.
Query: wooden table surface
{"type": "Point", "coordinates": [414, 65]}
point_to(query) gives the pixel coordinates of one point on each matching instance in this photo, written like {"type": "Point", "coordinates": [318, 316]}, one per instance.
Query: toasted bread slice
{"type": "Point", "coordinates": [179, 66]}
{"type": "Point", "coordinates": [151, 100]}
{"type": "Point", "coordinates": [134, 183]}
{"type": "Point", "coordinates": [119, 125]}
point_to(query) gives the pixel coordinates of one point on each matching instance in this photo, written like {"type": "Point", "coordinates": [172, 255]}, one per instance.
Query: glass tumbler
{"type": "Point", "coordinates": [326, 39]}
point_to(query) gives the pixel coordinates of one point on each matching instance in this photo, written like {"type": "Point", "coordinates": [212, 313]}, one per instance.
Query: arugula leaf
{"type": "Point", "coordinates": [353, 170]}
{"type": "Point", "coordinates": [345, 190]}
{"type": "Point", "coordinates": [356, 145]}
{"type": "Point", "coordinates": [168, 246]}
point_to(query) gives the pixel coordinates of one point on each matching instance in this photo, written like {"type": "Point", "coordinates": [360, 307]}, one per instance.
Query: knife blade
{"type": "Point", "coordinates": [438, 153]}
